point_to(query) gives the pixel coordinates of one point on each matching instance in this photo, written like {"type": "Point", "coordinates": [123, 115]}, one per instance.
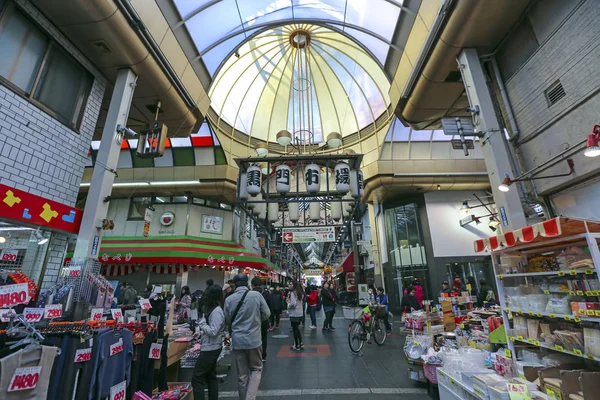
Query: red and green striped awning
{"type": "Point", "coordinates": [175, 254]}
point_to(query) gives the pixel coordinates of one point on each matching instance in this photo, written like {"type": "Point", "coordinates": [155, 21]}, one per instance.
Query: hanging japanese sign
{"type": "Point", "coordinates": [282, 179]}
{"type": "Point", "coordinates": [212, 224]}
{"type": "Point", "coordinates": [342, 177]}
{"type": "Point", "coordinates": [26, 207]}
{"type": "Point", "coordinates": [306, 235]}
{"type": "Point", "coordinates": [253, 180]}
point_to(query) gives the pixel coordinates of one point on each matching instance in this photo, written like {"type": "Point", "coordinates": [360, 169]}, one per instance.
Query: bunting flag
{"type": "Point", "coordinates": [118, 270]}
{"type": "Point", "coordinates": [550, 228]}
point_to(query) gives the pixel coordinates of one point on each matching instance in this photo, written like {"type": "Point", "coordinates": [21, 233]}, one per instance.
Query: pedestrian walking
{"type": "Point", "coordinates": [295, 302]}
{"type": "Point", "coordinates": [264, 327]}
{"type": "Point", "coordinates": [244, 312]}
{"type": "Point", "coordinates": [327, 301]}
{"type": "Point", "coordinates": [312, 297]}
{"type": "Point", "coordinates": [276, 306]}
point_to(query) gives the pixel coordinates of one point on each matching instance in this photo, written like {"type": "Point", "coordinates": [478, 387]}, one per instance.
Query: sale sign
{"type": "Point", "coordinates": [97, 314]}
{"type": "Point", "coordinates": [9, 255]}
{"type": "Point", "coordinates": [6, 315]}
{"type": "Point", "coordinates": [155, 349]}
{"type": "Point", "coordinates": [52, 311]}
{"type": "Point", "coordinates": [83, 355]}
{"type": "Point", "coordinates": [116, 348]}
{"type": "Point", "coordinates": [117, 314]}
{"type": "Point", "coordinates": [33, 314]}
{"type": "Point", "coordinates": [12, 295]}
{"type": "Point", "coordinates": [145, 304]}
{"type": "Point", "coordinates": [72, 272]}
{"type": "Point", "coordinates": [24, 379]}
{"type": "Point", "coordinates": [117, 392]}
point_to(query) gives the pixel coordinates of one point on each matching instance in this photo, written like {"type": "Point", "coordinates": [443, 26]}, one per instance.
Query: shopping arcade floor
{"type": "Point", "coordinates": [326, 369]}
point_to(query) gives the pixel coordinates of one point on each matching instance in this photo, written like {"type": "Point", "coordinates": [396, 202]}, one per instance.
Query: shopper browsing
{"type": "Point", "coordinates": [410, 302]}
{"type": "Point", "coordinates": [244, 312]}
{"type": "Point", "coordinates": [327, 301]}
{"type": "Point", "coordinates": [486, 294]}
{"type": "Point", "coordinates": [210, 329]}
{"type": "Point", "coordinates": [445, 289]}
{"type": "Point", "coordinates": [128, 293]}
{"type": "Point", "coordinates": [185, 301]}
{"type": "Point", "coordinates": [312, 298]}
{"type": "Point", "coordinates": [295, 302]}
{"type": "Point", "coordinates": [418, 291]}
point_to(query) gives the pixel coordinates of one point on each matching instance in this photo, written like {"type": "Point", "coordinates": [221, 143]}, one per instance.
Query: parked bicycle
{"type": "Point", "coordinates": [369, 324]}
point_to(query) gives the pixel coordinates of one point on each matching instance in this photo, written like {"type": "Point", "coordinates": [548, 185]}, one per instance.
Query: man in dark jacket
{"type": "Point", "coordinates": [486, 294]}
{"type": "Point", "coordinates": [410, 302]}
{"type": "Point", "coordinates": [276, 306]}
{"type": "Point", "coordinates": [264, 326]}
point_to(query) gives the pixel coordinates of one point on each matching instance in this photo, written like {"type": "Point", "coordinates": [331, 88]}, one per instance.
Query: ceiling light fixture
{"type": "Point", "coordinates": [493, 222]}
{"type": "Point", "coordinates": [465, 207]}
{"type": "Point", "coordinates": [506, 182]}
{"type": "Point", "coordinates": [262, 149]}
{"type": "Point", "coordinates": [40, 237]}
{"type": "Point", "coordinates": [334, 139]}
{"type": "Point", "coordinates": [284, 137]}
{"type": "Point", "coordinates": [591, 146]}
{"type": "Point", "coordinates": [2, 239]}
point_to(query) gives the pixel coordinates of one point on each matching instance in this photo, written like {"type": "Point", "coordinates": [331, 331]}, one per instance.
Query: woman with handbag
{"type": "Point", "coordinates": [295, 305]}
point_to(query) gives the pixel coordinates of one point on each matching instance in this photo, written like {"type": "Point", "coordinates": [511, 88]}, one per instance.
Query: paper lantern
{"type": "Point", "coordinates": [349, 204]}
{"type": "Point", "coordinates": [261, 210]}
{"type": "Point", "coordinates": [315, 211]}
{"type": "Point", "coordinates": [273, 212]}
{"type": "Point", "coordinates": [294, 212]}
{"type": "Point", "coordinates": [312, 177]}
{"type": "Point", "coordinates": [253, 180]}
{"type": "Point", "coordinates": [255, 206]}
{"type": "Point", "coordinates": [354, 184]}
{"type": "Point", "coordinates": [282, 179]}
{"type": "Point", "coordinates": [242, 186]}
{"type": "Point", "coordinates": [342, 178]}
{"type": "Point", "coordinates": [336, 210]}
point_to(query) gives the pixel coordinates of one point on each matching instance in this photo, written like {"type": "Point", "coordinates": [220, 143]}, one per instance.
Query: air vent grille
{"type": "Point", "coordinates": [554, 93]}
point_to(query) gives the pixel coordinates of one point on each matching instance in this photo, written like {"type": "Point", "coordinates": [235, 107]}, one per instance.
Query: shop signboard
{"type": "Point", "coordinates": [211, 224]}
{"type": "Point", "coordinates": [503, 216]}
{"type": "Point", "coordinates": [18, 205]}
{"type": "Point", "coordinates": [363, 294]}
{"type": "Point", "coordinates": [313, 272]}
{"type": "Point", "coordinates": [307, 235]}
{"type": "Point", "coordinates": [9, 255]}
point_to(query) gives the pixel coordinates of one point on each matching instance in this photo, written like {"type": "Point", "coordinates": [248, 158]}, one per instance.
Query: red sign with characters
{"type": "Point", "coordinates": [26, 207]}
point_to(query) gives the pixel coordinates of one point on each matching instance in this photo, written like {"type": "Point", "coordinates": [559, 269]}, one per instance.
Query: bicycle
{"type": "Point", "coordinates": [370, 323]}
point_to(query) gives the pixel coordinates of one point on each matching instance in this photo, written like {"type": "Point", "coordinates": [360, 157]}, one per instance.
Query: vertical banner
{"type": "Point", "coordinates": [147, 219]}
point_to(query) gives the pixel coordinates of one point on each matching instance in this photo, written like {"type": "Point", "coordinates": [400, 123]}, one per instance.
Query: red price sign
{"type": "Point", "coordinates": [83, 355]}
{"type": "Point", "coordinates": [5, 315]}
{"type": "Point", "coordinates": [117, 392]}
{"type": "Point", "coordinates": [145, 304]}
{"type": "Point", "coordinates": [116, 348]}
{"type": "Point", "coordinates": [24, 379]}
{"type": "Point", "coordinates": [9, 255]}
{"type": "Point", "coordinates": [12, 295]}
{"type": "Point", "coordinates": [116, 314]}
{"type": "Point", "coordinates": [33, 314]}
{"type": "Point", "coordinates": [155, 349]}
{"type": "Point", "coordinates": [52, 311]}
{"type": "Point", "coordinates": [97, 314]}
{"type": "Point", "coordinates": [72, 271]}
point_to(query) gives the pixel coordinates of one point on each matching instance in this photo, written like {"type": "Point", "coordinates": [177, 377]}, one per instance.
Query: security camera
{"type": "Point", "coordinates": [123, 130]}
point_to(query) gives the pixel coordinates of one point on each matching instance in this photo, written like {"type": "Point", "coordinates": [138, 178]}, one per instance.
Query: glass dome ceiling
{"type": "Point", "coordinates": [300, 77]}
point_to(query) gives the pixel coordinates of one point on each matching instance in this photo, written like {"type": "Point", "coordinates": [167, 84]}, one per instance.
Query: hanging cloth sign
{"type": "Point", "coordinates": [24, 379]}
{"type": "Point", "coordinates": [155, 350]}
{"type": "Point", "coordinates": [83, 355]}
{"type": "Point", "coordinates": [117, 392]}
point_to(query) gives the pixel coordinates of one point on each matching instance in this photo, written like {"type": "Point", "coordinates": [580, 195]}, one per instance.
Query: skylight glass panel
{"type": "Point", "coordinates": [378, 16]}
{"type": "Point", "coordinates": [319, 9]}
{"type": "Point", "coordinates": [420, 136]}
{"type": "Point", "coordinates": [213, 23]}
{"type": "Point", "coordinates": [185, 7]}
{"type": "Point", "coordinates": [256, 12]}
{"type": "Point", "coordinates": [377, 47]}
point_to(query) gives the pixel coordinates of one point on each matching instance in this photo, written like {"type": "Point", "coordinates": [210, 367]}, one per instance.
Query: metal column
{"type": "Point", "coordinates": [88, 241]}
{"type": "Point", "coordinates": [493, 143]}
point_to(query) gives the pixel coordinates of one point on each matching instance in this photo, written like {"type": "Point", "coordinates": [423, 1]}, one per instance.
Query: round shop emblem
{"type": "Point", "coordinates": [167, 218]}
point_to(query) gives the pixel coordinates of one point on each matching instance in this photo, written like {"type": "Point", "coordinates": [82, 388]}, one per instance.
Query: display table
{"type": "Point", "coordinates": [451, 386]}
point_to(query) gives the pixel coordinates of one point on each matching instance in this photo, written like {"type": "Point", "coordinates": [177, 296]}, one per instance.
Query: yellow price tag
{"type": "Point", "coordinates": [589, 272]}
{"type": "Point", "coordinates": [576, 319]}
{"type": "Point", "coordinates": [559, 347]}
{"type": "Point", "coordinates": [591, 313]}
{"type": "Point", "coordinates": [561, 273]}
{"type": "Point", "coordinates": [416, 343]}
{"type": "Point", "coordinates": [597, 313]}
{"type": "Point", "coordinates": [452, 381]}
{"type": "Point", "coordinates": [462, 326]}
{"type": "Point", "coordinates": [530, 340]}
{"type": "Point", "coordinates": [552, 315]}
{"type": "Point", "coordinates": [537, 343]}
{"type": "Point", "coordinates": [530, 313]}
{"type": "Point", "coordinates": [520, 311]}
{"type": "Point", "coordinates": [442, 373]}
{"type": "Point", "coordinates": [572, 272]}
{"type": "Point", "coordinates": [589, 356]}
{"type": "Point", "coordinates": [500, 277]}
{"type": "Point", "coordinates": [589, 293]}
{"type": "Point", "coordinates": [520, 337]}
{"type": "Point", "coordinates": [508, 353]}
{"type": "Point", "coordinates": [511, 338]}
{"type": "Point", "coordinates": [571, 293]}
{"type": "Point", "coordinates": [507, 310]}
{"type": "Point", "coordinates": [580, 293]}
{"type": "Point", "coordinates": [567, 318]}
{"type": "Point", "coordinates": [578, 352]}
{"type": "Point", "coordinates": [546, 292]}
{"type": "Point", "coordinates": [538, 314]}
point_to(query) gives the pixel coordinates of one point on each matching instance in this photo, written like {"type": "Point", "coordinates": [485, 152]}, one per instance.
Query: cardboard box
{"type": "Point", "coordinates": [570, 383]}
{"type": "Point", "coordinates": [590, 384]}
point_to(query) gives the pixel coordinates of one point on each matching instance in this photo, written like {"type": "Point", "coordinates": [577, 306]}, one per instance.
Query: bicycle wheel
{"type": "Point", "coordinates": [356, 336]}
{"type": "Point", "coordinates": [379, 332]}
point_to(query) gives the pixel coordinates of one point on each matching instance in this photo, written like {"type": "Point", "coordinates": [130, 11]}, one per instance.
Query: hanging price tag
{"type": "Point", "coordinates": [589, 272]}
{"type": "Point", "coordinates": [578, 352]}
{"type": "Point", "coordinates": [53, 311]}
{"type": "Point", "coordinates": [117, 392]}
{"type": "Point", "coordinates": [552, 315]}
{"type": "Point", "coordinates": [529, 340]}
{"type": "Point", "coordinates": [559, 347]}
{"type": "Point", "coordinates": [546, 292]}
{"type": "Point", "coordinates": [6, 315]}
{"type": "Point", "coordinates": [572, 272]}
{"type": "Point", "coordinates": [145, 304]}
{"type": "Point", "coordinates": [538, 314]}
{"type": "Point", "coordinates": [12, 295]}
{"type": "Point", "coordinates": [530, 313]}
{"type": "Point", "coordinates": [155, 350]}
{"type": "Point", "coordinates": [116, 348]}
{"type": "Point", "coordinates": [33, 314]}
{"type": "Point", "coordinates": [597, 313]}
{"type": "Point", "coordinates": [520, 337]}
{"type": "Point", "coordinates": [571, 293]}
{"type": "Point", "coordinates": [24, 379]}
{"type": "Point", "coordinates": [579, 293]}
{"type": "Point", "coordinates": [589, 356]}
{"type": "Point", "coordinates": [576, 319]}
{"type": "Point", "coordinates": [83, 355]}
{"type": "Point", "coordinates": [96, 314]}
{"type": "Point", "coordinates": [520, 311]}
{"type": "Point", "coordinates": [561, 273]}
{"type": "Point", "coordinates": [117, 314]}
{"type": "Point", "coordinates": [567, 318]}
{"type": "Point", "coordinates": [511, 338]}
{"type": "Point", "coordinates": [537, 342]}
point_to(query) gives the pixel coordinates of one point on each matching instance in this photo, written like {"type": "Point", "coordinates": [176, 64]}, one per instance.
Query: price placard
{"type": "Point", "coordinates": [83, 355]}
{"type": "Point", "coordinates": [520, 337]}
{"type": "Point", "coordinates": [561, 273]}
{"type": "Point", "coordinates": [579, 293]}
{"type": "Point", "coordinates": [9, 255]}
{"type": "Point", "coordinates": [530, 313]}
{"type": "Point", "coordinates": [589, 272]}
{"type": "Point", "coordinates": [567, 318]}
{"type": "Point", "coordinates": [591, 313]}
{"type": "Point", "coordinates": [117, 314]}
{"type": "Point", "coordinates": [589, 293]}
{"type": "Point", "coordinates": [117, 392]}
{"type": "Point", "coordinates": [572, 272]}
{"type": "Point", "coordinates": [24, 379]}
{"type": "Point", "coordinates": [97, 314]}
{"type": "Point", "coordinates": [511, 338]}
{"type": "Point", "coordinates": [116, 348]}
{"type": "Point", "coordinates": [576, 319]}
{"type": "Point", "coordinates": [517, 391]}
{"type": "Point", "coordinates": [546, 292]}
{"type": "Point", "coordinates": [578, 352]}
{"type": "Point", "coordinates": [33, 314]}
{"type": "Point", "coordinates": [12, 295]}
{"type": "Point", "coordinates": [552, 315]}
{"type": "Point", "coordinates": [571, 293]}
{"type": "Point", "coordinates": [559, 347]}
{"type": "Point", "coordinates": [52, 311]}
{"type": "Point", "coordinates": [155, 350]}
{"type": "Point", "coordinates": [508, 353]}
{"type": "Point", "coordinates": [7, 314]}
{"type": "Point", "coordinates": [145, 304]}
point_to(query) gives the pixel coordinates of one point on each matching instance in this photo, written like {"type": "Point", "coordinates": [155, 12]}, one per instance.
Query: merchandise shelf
{"type": "Point", "coordinates": [557, 348]}
{"type": "Point", "coordinates": [549, 273]}
{"type": "Point", "coordinates": [573, 318]}
{"type": "Point", "coordinates": [452, 384]}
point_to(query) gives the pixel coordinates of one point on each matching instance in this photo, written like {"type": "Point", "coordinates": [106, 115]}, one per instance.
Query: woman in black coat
{"type": "Point", "coordinates": [409, 301]}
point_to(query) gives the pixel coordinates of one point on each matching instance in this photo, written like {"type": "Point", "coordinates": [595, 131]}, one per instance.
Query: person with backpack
{"type": "Point", "coordinates": [244, 312]}
{"type": "Point", "coordinates": [210, 329]}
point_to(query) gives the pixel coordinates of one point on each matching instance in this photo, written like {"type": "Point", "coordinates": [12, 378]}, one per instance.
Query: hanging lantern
{"type": "Point", "coordinates": [253, 180]}
{"type": "Point", "coordinates": [354, 184]}
{"type": "Point", "coordinates": [348, 205]}
{"type": "Point", "coordinates": [273, 212]}
{"type": "Point", "coordinates": [342, 178]}
{"type": "Point", "coordinates": [282, 179]}
{"type": "Point", "coordinates": [336, 210]}
{"type": "Point", "coordinates": [312, 178]}
{"type": "Point", "coordinates": [261, 210]}
{"type": "Point", "coordinates": [315, 210]}
{"type": "Point", "coordinates": [294, 212]}
{"type": "Point", "coordinates": [346, 213]}
{"type": "Point", "coordinates": [361, 183]}
{"type": "Point", "coordinates": [243, 189]}
{"type": "Point", "coordinates": [255, 206]}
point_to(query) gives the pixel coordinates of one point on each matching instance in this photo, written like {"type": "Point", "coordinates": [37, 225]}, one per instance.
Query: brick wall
{"type": "Point", "coordinates": [570, 53]}
{"type": "Point", "coordinates": [40, 155]}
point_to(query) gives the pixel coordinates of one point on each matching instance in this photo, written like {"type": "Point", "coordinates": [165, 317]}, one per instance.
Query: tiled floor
{"type": "Point", "coordinates": [326, 369]}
